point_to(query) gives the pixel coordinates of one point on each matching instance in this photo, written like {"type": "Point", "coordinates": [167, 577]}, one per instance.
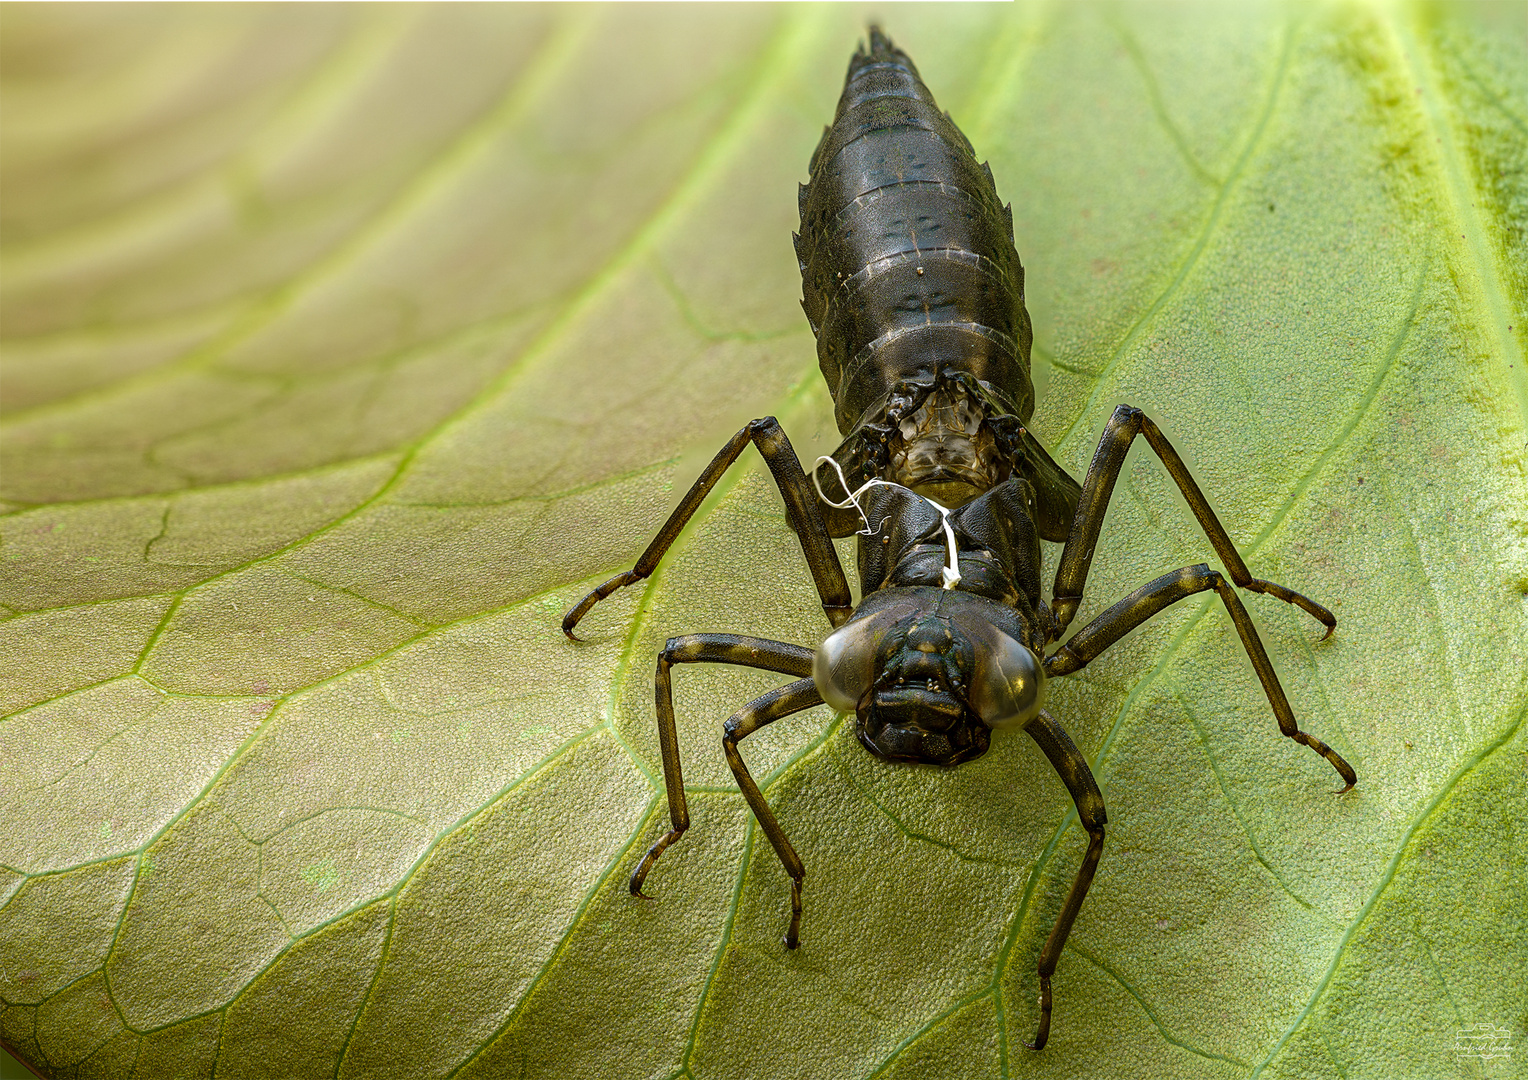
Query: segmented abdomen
{"type": "Point", "coordinates": [908, 266]}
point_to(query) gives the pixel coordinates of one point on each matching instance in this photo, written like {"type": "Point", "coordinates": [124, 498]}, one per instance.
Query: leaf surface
{"type": "Point", "coordinates": [346, 347]}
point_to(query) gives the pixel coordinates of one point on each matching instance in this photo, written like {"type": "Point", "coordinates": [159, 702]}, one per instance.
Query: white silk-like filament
{"type": "Point", "coordinates": [951, 572]}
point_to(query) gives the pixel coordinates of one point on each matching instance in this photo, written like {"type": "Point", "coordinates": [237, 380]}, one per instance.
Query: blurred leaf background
{"type": "Point", "coordinates": [346, 346]}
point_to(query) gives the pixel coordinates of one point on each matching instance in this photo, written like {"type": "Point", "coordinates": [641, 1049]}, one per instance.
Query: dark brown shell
{"type": "Point", "coordinates": [907, 260]}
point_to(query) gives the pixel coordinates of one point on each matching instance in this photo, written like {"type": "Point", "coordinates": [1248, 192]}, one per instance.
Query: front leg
{"type": "Point", "coordinates": [750, 718]}
{"type": "Point", "coordinates": [1073, 769]}
{"type": "Point", "coordinates": [751, 652]}
{"type": "Point", "coordinates": [1072, 571]}
{"type": "Point", "coordinates": [801, 512]}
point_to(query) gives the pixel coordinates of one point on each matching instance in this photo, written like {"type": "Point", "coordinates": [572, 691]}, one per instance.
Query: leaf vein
{"type": "Point", "coordinates": [1151, 1014]}
{"type": "Point", "coordinates": [1159, 105]}
{"type": "Point", "coordinates": [562, 942]}
{"type": "Point", "coordinates": [1386, 877]}
{"type": "Point", "coordinates": [1207, 230]}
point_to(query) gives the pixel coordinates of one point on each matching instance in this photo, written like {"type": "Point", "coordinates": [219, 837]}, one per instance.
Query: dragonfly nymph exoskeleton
{"type": "Point", "coordinates": [914, 290]}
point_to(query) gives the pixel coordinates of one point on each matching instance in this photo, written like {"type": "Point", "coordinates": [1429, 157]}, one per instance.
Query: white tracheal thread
{"type": "Point", "coordinates": [951, 571]}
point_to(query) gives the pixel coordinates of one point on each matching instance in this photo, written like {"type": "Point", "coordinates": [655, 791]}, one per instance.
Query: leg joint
{"type": "Point", "coordinates": [1062, 662]}
{"type": "Point", "coordinates": [683, 650]}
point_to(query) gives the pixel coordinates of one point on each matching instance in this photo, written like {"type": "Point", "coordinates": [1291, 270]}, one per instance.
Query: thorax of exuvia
{"type": "Point", "coordinates": [944, 450]}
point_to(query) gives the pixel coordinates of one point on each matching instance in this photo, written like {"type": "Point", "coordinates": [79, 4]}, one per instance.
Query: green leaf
{"type": "Point", "coordinates": [347, 346]}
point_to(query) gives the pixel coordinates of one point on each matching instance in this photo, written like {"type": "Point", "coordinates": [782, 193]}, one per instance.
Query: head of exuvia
{"type": "Point", "coordinates": [930, 673]}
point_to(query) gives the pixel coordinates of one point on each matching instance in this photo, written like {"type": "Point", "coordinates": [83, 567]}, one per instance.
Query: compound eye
{"type": "Point", "coordinates": [1008, 685]}
{"type": "Point", "coordinates": [844, 667]}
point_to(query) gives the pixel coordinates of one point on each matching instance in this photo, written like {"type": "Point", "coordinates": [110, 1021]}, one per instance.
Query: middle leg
{"type": "Point", "coordinates": [1089, 642]}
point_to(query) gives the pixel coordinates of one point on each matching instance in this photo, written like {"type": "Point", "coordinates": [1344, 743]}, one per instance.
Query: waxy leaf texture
{"type": "Point", "coordinates": [345, 347]}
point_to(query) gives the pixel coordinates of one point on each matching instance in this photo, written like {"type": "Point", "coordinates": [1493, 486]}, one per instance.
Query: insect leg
{"type": "Point", "coordinates": [1078, 778]}
{"type": "Point", "coordinates": [1086, 645]}
{"type": "Point", "coordinates": [703, 649]}
{"type": "Point", "coordinates": [1072, 571]}
{"type": "Point", "coordinates": [800, 511]}
{"type": "Point", "coordinates": [750, 718]}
